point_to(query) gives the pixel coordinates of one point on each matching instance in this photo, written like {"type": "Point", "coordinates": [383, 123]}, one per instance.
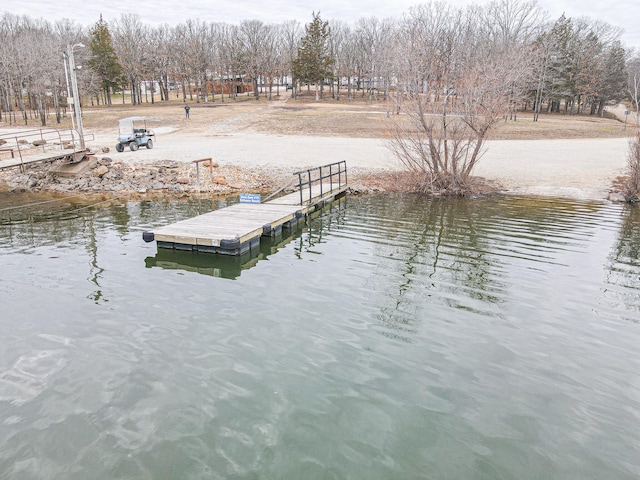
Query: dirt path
{"type": "Point", "coordinates": [578, 168]}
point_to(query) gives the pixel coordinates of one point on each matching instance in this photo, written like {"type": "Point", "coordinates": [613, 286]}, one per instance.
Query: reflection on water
{"type": "Point", "coordinates": [622, 272]}
{"type": "Point", "coordinates": [223, 266]}
{"type": "Point", "coordinates": [466, 255]}
{"type": "Point", "coordinates": [388, 337]}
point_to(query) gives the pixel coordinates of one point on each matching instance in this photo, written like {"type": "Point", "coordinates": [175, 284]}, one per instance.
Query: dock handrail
{"type": "Point", "coordinates": [279, 190]}
{"type": "Point", "coordinates": [27, 142]}
{"type": "Point", "coordinates": [46, 135]}
{"type": "Point", "coordinates": [315, 176]}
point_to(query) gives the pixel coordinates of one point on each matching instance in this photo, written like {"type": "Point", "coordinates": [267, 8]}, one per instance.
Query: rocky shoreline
{"type": "Point", "coordinates": [105, 175]}
{"type": "Point", "coordinates": [169, 177]}
{"type": "Point", "coordinates": [173, 178]}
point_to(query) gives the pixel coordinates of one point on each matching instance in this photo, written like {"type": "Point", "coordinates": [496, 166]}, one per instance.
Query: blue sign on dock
{"type": "Point", "coordinates": [249, 198]}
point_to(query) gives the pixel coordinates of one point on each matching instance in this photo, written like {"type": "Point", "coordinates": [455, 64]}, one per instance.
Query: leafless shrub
{"type": "Point", "coordinates": [439, 150]}
{"type": "Point", "coordinates": [459, 83]}
{"type": "Point", "coordinates": [631, 190]}
{"type": "Point", "coordinates": [441, 141]}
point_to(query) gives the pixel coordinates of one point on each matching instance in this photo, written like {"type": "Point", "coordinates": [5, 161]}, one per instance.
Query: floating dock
{"type": "Point", "coordinates": [237, 229]}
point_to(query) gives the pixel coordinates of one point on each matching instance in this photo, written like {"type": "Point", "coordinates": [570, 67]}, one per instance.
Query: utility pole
{"type": "Point", "coordinates": [65, 58]}
{"type": "Point", "coordinates": [74, 87]}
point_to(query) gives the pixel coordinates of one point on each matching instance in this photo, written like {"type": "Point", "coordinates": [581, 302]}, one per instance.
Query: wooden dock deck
{"type": "Point", "coordinates": [237, 229]}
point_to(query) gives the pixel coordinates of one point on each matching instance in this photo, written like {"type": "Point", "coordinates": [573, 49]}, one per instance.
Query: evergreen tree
{"type": "Point", "coordinates": [614, 81]}
{"type": "Point", "coordinates": [561, 75]}
{"type": "Point", "coordinates": [314, 61]}
{"type": "Point", "coordinates": [104, 60]}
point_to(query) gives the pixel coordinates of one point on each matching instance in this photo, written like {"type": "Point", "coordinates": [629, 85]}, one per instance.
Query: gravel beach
{"type": "Point", "coordinates": [575, 168]}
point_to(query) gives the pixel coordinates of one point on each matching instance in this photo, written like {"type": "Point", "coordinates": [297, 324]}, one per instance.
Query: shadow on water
{"type": "Point", "coordinates": [223, 266]}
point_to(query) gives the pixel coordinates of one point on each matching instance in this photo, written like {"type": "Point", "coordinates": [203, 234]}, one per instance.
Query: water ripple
{"type": "Point", "coordinates": [385, 338]}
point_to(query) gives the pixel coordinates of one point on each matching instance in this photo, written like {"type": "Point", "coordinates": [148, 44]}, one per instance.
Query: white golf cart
{"type": "Point", "coordinates": [133, 133]}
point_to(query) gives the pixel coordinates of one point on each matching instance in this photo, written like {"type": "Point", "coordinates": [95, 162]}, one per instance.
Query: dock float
{"type": "Point", "coordinates": [237, 229]}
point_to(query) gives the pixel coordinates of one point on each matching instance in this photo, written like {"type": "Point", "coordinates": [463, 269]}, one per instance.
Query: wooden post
{"type": "Point", "coordinates": [198, 162]}
{"type": "Point", "coordinates": [198, 175]}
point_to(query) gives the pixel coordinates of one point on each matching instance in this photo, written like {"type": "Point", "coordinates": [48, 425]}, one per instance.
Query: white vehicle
{"type": "Point", "coordinates": [133, 132]}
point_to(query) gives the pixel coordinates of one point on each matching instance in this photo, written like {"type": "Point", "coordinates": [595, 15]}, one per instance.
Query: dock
{"type": "Point", "coordinates": [232, 266]}
{"type": "Point", "coordinates": [237, 229]}
{"type": "Point", "coordinates": [68, 154]}
{"type": "Point", "coordinates": [25, 147]}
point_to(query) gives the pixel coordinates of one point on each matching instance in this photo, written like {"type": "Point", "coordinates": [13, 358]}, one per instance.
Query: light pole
{"type": "Point", "coordinates": [74, 87]}
{"type": "Point", "coordinates": [65, 58]}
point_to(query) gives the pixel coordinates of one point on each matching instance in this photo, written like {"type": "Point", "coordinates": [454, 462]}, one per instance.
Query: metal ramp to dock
{"type": "Point", "coordinates": [20, 148]}
{"type": "Point", "coordinates": [237, 229]}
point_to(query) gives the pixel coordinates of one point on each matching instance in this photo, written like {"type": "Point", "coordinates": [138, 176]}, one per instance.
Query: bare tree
{"type": "Point", "coordinates": [130, 43]}
{"type": "Point", "coordinates": [349, 62]}
{"type": "Point", "coordinates": [462, 84]}
{"type": "Point", "coordinates": [252, 34]}
{"type": "Point", "coordinates": [15, 50]}
{"type": "Point", "coordinates": [633, 85]}
{"type": "Point", "coordinates": [193, 57]}
{"type": "Point", "coordinates": [271, 52]}
{"type": "Point", "coordinates": [30, 68]}
{"type": "Point", "coordinates": [179, 61]}
{"type": "Point", "coordinates": [514, 21]}
{"type": "Point", "coordinates": [338, 43]}
{"type": "Point", "coordinates": [232, 59]}
{"type": "Point", "coordinates": [387, 65]}
{"type": "Point", "coordinates": [43, 81]}
{"type": "Point", "coordinates": [291, 33]}
{"type": "Point", "coordinates": [160, 59]}
{"type": "Point", "coordinates": [6, 92]}
{"type": "Point", "coordinates": [368, 36]}
{"type": "Point", "coordinates": [632, 185]}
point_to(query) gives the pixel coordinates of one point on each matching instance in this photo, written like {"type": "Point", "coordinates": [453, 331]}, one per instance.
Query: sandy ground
{"type": "Point", "coordinates": [234, 135]}
{"type": "Point", "coordinates": [580, 168]}
{"type": "Point", "coordinates": [577, 168]}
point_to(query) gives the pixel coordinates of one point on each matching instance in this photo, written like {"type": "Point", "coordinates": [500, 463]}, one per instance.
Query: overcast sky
{"type": "Point", "coordinates": [623, 13]}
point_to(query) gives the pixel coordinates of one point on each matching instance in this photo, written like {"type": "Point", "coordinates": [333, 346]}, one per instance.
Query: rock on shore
{"type": "Point", "coordinates": [167, 176]}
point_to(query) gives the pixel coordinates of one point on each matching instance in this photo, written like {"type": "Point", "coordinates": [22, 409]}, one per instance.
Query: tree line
{"type": "Point", "coordinates": [568, 65]}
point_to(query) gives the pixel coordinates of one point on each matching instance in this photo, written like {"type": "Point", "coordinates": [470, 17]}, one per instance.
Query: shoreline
{"type": "Point", "coordinates": [584, 169]}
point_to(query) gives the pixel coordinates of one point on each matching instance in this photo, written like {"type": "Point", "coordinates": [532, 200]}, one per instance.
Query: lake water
{"type": "Point", "coordinates": [391, 337]}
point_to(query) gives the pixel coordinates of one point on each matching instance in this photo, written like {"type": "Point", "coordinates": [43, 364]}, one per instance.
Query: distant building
{"type": "Point", "coordinates": [149, 86]}
{"type": "Point", "coordinates": [226, 84]}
